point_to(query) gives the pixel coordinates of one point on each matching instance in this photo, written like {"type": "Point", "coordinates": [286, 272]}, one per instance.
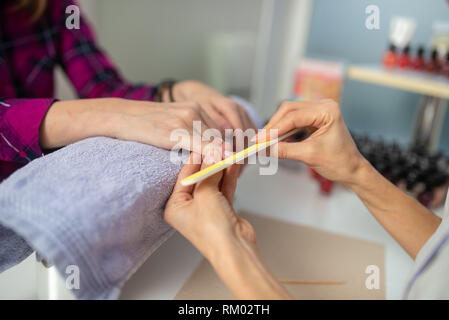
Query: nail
{"type": "Point", "coordinates": [260, 136]}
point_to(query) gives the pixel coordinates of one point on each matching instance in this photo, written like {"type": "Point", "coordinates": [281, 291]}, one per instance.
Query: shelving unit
{"type": "Point", "coordinates": [434, 91]}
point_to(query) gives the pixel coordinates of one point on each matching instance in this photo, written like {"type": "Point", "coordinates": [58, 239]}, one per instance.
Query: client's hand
{"type": "Point", "coordinates": [205, 216]}
{"type": "Point", "coordinates": [154, 124]}
{"type": "Point", "coordinates": [223, 110]}
{"type": "Point", "coordinates": [146, 122]}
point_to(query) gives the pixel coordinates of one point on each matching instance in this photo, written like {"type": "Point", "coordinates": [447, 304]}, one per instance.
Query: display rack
{"type": "Point", "coordinates": [434, 90]}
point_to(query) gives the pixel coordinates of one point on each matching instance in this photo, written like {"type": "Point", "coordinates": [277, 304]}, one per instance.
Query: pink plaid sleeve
{"type": "Point", "coordinates": [20, 121]}
{"type": "Point", "coordinates": [91, 72]}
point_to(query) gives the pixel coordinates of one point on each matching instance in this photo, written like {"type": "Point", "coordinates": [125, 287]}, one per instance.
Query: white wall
{"type": "Point", "coordinates": [155, 39]}
{"type": "Point", "coordinates": [284, 28]}
{"type": "Point", "coordinates": [150, 40]}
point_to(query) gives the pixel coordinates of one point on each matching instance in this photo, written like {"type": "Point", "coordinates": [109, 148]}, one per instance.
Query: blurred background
{"type": "Point", "coordinates": [252, 47]}
{"type": "Point", "coordinates": [363, 53]}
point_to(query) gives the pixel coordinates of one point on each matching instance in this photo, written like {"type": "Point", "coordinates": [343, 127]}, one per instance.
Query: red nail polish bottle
{"type": "Point", "coordinates": [433, 66]}
{"type": "Point", "coordinates": [326, 186]}
{"type": "Point", "coordinates": [404, 60]}
{"type": "Point", "coordinates": [419, 62]}
{"type": "Point", "coordinates": [390, 57]}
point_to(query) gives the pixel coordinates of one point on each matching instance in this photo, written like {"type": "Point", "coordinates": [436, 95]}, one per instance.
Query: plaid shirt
{"type": "Point", "coordinates": [29, 52]}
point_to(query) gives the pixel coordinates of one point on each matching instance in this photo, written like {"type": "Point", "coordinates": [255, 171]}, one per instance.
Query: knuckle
{"type": "Point", "coordinates": [196, 107]}
{"type": "Point", "coordinates": [287, 106]}
{"type": "Point", "coordinates": [178, 122]}
{"type": "Point", "coordinates": [332, 107]}
{"type": "Point", "coordinates": [331, 104]}
{"type": "Point", "coordinates": [190, 113]}
{"type": "Point", "coordinates": [234, 106]}
{"type": "Point", "coordinates": [190, 104]}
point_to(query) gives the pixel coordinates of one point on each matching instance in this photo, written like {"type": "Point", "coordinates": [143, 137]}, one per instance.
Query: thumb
{"type": "Point", "coordinates": [301, 151]}
{"type": "Point", "coordinates": [211, 184]}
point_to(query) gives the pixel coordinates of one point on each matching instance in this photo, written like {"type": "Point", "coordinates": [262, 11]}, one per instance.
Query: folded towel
{"type": "Point", "coordinates": [96, 204]}
{"type": "Point", "coordinates": [13, 248]}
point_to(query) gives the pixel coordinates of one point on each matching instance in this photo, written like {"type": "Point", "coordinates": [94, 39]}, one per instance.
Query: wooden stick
{"type": "Point", "coordinates": [312, 282]}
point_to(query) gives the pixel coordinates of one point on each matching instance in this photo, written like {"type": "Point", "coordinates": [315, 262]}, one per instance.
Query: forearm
{"type": "Point", "coordinates": [410, 223]}
{"type": "Point", "coordinates": [70, 121]}
{"type": "Point", "coordinates": [239, 266]}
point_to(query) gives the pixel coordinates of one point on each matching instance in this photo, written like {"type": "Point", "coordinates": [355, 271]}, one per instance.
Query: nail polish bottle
{"type": "Point", "coordinates": [390, 57]}
{"type": "Point", "coordinates": [426, 197]}
{"type": "Point", "coordinates": [445, 67]}
{"type": "Point", "coordinates": [433, 65]}
{"type": "Point", "coordinates": [419, 62]}
{"type": "Point", "coordinates": [404, 60]}
{"type": "Point", "coordinates": [326, 186]}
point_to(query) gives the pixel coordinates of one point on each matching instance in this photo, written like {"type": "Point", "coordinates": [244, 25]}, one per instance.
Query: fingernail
{"type": "Point", "coordinates": [212, 155]}
{"type": "Point", "coordinates": [260, 136]}
{"type": "Point", "coordinates": [228, 153]}
{"type": "Point", "coordinates": [208, 161]}
{"type": "Point", "coordinates": [227, 146]}
{"type": "Point", "coordinates": [211, 159]}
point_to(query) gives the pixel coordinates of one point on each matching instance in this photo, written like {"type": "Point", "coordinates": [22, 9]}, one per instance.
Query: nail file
{"type": "Point", "coordinates": [229, 161]}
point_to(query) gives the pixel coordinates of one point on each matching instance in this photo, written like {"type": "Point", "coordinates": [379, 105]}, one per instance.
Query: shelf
{"type": "Point", "coordinates": [411, 81]}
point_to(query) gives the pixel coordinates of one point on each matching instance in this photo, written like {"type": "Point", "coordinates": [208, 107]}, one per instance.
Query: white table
{"type": "Point", "coordinates": [290, 195]}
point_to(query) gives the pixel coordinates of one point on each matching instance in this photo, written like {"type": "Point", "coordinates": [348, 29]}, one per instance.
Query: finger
{"type": "Point", "coordinates": [189, 168]}
{"type": "Point", "coordinates": [229, 183]}
{"type": "Point", "coordinates": [247, 122]}
{"type": "Point", "coordinates": [229, 110]}
{"type": "Point", "coordinates": [219, 119]}
{"type": "Point", "coordinates": [301, 151]}
{"type": "Point", "coordinates": [294, 119]}
{"type": "Point", "coordinates": [194, 141]}
{"type": "Point", "coordinates": [285, 108]}
{"type": "Point", "coordinates": [191, 140]}
{"type": "Point", "coordinates": [211, 184]}
{"type": "Point", "coordinates": [211, 123]}
{"type": "Point", "coordinates": [212, 154]}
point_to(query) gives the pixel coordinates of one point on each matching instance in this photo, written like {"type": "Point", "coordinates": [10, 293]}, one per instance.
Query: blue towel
{"type": "Point", "coordinates": [96, 204]}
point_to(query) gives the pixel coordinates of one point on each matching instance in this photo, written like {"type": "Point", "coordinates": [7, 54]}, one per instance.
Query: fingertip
{"type": "Point", "coordinates": [212, 154]}
{"type": "Point", "coordinates": [230, 181]}
{"type": "Point", "coordinates": [188, 169]}
{"type": "Point", "coordinates": [261, 136]}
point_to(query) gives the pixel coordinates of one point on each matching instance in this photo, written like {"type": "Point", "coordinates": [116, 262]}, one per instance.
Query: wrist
{"type": "Point", "coordinates": [165, 91]}
{"type": "Point", "coordinates": [229, 252]}
{"type": "Point", "coordinates": [113, 116]}
{"type": "Point", "coordinates": [183, 90]}
{"type": "Point", "coordinates": [239, 266]}
{"type": "Point", "coordinates": [361, 175]}
{"type": "Point", "coordinates": [70, 121]}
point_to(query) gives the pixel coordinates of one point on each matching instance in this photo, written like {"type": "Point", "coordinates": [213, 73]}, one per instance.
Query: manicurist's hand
{"type": "Point", "coordinates": [204, 215]}
{"type": "Point", "coordinates": [204, 212]}
{"type": "Point", "coordinates": [223, 110]}
{"type": "Point", "coordinates": [329, 150]}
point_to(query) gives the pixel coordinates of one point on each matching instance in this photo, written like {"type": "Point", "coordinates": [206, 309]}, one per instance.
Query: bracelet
{"type": "Point", "coordinates": [164, 85]}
